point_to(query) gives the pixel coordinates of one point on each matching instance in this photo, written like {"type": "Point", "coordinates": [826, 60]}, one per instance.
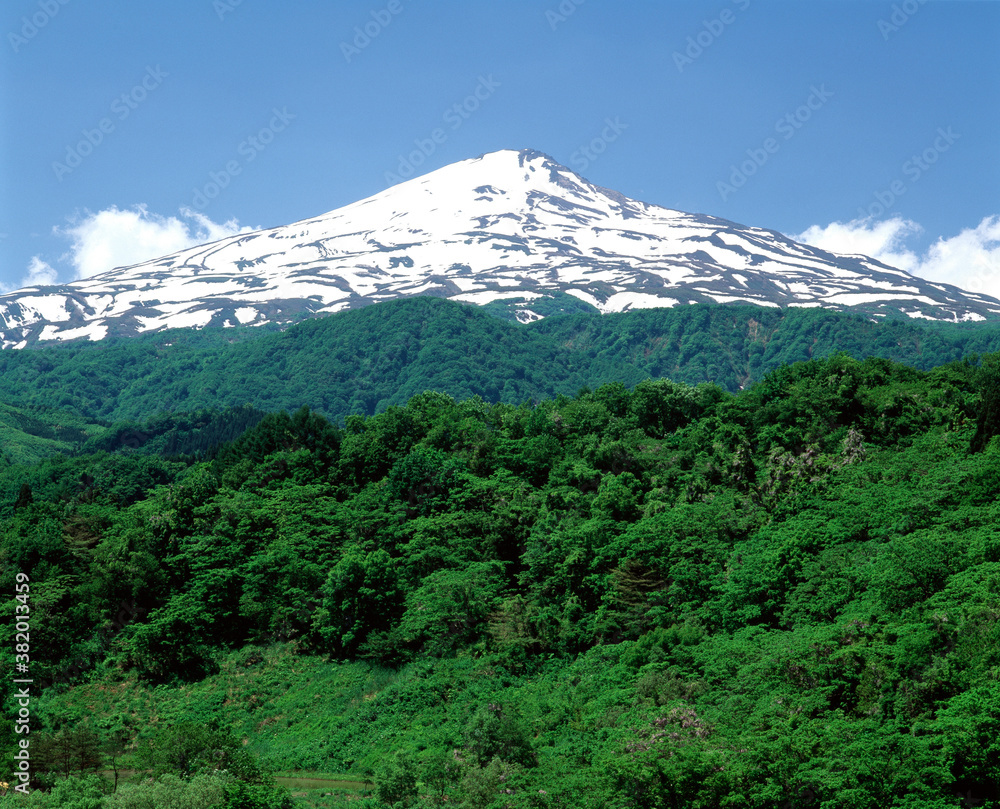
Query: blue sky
{"type": "Point", "coordinates": [132, 129]}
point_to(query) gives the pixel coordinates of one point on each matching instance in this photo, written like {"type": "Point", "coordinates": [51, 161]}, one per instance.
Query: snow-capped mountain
{"type": "Point", "coordinates": [511, 227]}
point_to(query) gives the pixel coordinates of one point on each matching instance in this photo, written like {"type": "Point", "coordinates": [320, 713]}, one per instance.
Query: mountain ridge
{"type": "Point", "coordinates": [510, 229]}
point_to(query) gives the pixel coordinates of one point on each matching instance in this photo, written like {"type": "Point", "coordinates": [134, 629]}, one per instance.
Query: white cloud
{"type": "Point", "coordinates": [117, 238]}
{"type": "Point", "coordinates": [39, 274]}
{"type": "Point", "coordinates": [970, 260]}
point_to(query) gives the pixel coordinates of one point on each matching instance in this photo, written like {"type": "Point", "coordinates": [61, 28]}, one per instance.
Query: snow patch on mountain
{"type": "Point", "coordinates": [509, 226]}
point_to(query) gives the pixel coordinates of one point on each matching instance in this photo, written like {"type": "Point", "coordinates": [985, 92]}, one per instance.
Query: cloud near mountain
{"type": "Point", "coordinates": [970, 260]}
{"type": "Point", "coordinates": [116, 237]}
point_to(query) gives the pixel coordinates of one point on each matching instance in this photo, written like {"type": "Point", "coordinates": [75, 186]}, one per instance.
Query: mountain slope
{"type": "Point", "coordinates": [365, 360]}
{"type": "Point", "coordinates": [30, 434]}
{"type": "Point", "coordinates": [355, 362]}
{"type": "Point", "coordinates": [512, 228]}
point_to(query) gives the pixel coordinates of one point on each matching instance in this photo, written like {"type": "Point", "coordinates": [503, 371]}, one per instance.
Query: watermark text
{"type": "Point", "coordinates": [584, 157]}
{"type": "Point", "coordinates": [787, 126]}
{"type": "Point", "coordinates": [248, 150]}
{"type": "Point", "coordinates": [30, 26]}
{"type": "Point", "coordinates": [454, 116]}
{"type": "Point", "coordinates": [913, 169]}
{"type": "Point", "coordinates": [711, 30]}
{"type": "Point", "coordinates": [22, 696]}
{"type": "Point", "coordinates": [121, 108]}
{"type": "Point", "coordinates": [364, 35]}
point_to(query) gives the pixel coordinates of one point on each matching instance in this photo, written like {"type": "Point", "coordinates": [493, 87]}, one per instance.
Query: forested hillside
{"type": "Point", "coordinates": [734, 346]}
{"type": "Point", "coordinates": [663, 596]}
{"type": "Point", "coordinates": [33, 432]}
{"type": "Point", "coordinates": [362, 361]}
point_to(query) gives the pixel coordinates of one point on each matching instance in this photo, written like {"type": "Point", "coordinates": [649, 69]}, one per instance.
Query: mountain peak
{"type": "Point", "coordinates": [514, 229]}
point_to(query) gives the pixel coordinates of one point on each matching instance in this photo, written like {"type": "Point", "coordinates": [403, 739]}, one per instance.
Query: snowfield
{"type": "Point", "coordinates": [509, 225]}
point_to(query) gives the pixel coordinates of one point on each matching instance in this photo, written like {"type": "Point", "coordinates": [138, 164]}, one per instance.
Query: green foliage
{"type": "Point", "coordinates": [495, 733]}
{"type": "Point", "coordinates": [366, 360]}
{"type": "Point", "coordinates": [188, 749]}
{"type": "Point", "coordinates": [28, 434]}
{"type": "Point", "coordinates": [987, 382]}
{"type": "Point", "coordinates": [496, 784]}
{"type": "Point", "coordinates": [216, 790]}
{"type": "Point", "coordinates": [664, 596]}
{"type": "Point", "coordinates": [361, 595]}
{"type": "Point", "coordinates": [396, 781]}
{"type": "Point", "coordinates": [450, 609]}
{"type": "Point", "coordinates": [72, 793]}
{"type": "Point", "coordinates": [240, 795]}
{"type": "Point", "coordinates": [203, 791]}
{"type": "Point", "coordinates": [70, 751]}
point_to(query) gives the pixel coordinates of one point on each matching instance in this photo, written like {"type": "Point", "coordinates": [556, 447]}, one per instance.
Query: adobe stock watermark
{"type": "Point", "coordinates": [30, 26]}
{"type": "Point", "coordinates": [22, 677]}
{"type": "Point", "coordinates": [121, 108]}
{"type": "Point", "coordinates": [584, 157]}
{"type": "Point", "coordinates": [454, 116]}
{"type": "Point", "coordinates": [901, 15]}
{"type": "Point", "coordinates": [224, 7]}
{"type": "Point", "coordinates": [711, 30]}
{"type": "Point", "coordinates": [364, 35]}
{"type": "Point", "coordinates": [248, 150]}
{"type": "Point", "coordinates": [562, 12]}
{"type": "Point", "coordinates": [787, 126]}
{"type": "Point", "coordinates": [913, 169]}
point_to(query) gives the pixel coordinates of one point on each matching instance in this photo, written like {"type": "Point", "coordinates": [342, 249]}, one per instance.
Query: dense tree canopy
{"type": "Point", "coordinates": [672, 595]}
{"type": "Point", "coordinates": [363, 361]}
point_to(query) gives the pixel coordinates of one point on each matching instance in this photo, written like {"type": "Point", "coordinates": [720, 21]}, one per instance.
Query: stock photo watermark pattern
{"type": "Point", "coordinates": [224, 7]}
{"type": "Point", "coordinates": [365, 34]}
{"type": "Point", "coordinates": [902, 13]}
{"type": "Point", "coordinates": [787, 126]}
{"type": "Point", "coordinates": [584, 157]}
{"type": "Point", "coordinates": [558, 15]}
{"type": "Point", "coordinates": [121, 108]}
{"type": "Point", "coordinates": [33, 25]}
{"type": "Point", "coordinates": [913, 169]}
{"type": "Point", "coordinates": [454, 116]}
{"type": "Point", "coordinates": [712, 29]}
{"type": "Point", "coordinates": [248, 150]}
{"type": "Point", "coordinates": [27, 684]}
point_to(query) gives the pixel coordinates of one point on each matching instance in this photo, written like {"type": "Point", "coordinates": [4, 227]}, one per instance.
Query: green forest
{"type": "Point", "coordinates": [360, 362]}
{"type": "Point", "coordinates": [427, 557]}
